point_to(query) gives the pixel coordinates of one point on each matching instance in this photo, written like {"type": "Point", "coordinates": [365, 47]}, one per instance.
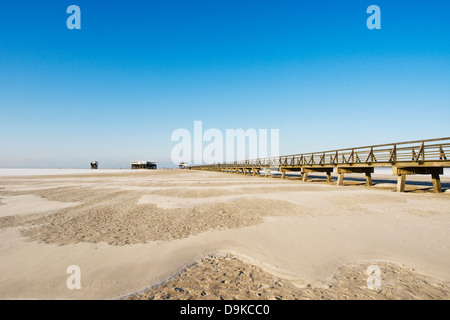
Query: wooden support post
{"type": "Point", "coordinates": [304, 176]}
{"type": "Point", "coordinates": [368, 179]}
{"type": "Point", "coordinates": [434, 171]}
{"type": "Point", "coordinates": [436, 183]}
{"type": "Point", "coordinates": [283, 174]}
{"type": "Point", "coordinates": [401, 181]}
{"type": "Point", "coordinates": [244, 171]}
{"type": "Point", "coordinates": [328, 176]}
{"type": "Point", "coordinates": [267, 173]}
{"type": "Point", "coordinates": [340, 181]}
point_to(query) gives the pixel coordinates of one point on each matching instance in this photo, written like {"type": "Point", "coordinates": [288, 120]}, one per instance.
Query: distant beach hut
{"type": "Point", "coordinates": [94, 165]}
{"type": "Point", "coordinates": [143, 165]}
{"type": "Point", "coordinates": [183, 165]}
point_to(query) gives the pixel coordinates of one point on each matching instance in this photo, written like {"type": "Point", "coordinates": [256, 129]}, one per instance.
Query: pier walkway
{"type": "Point", "coordinates": [425, 157]}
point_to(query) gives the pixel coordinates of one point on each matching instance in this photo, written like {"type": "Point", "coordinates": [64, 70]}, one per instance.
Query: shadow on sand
{"type": "Point", "coordinates": [425, 185]}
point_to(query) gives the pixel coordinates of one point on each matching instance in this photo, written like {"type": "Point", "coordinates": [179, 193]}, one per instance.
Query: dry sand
{"type": "Point", "coordinates": [131, 231]}
{"type": "Point", "coordinates": [228, 278]}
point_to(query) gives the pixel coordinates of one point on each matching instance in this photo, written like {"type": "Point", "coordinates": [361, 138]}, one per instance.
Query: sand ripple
{"type": "Point", "coordinates": [229, 278]}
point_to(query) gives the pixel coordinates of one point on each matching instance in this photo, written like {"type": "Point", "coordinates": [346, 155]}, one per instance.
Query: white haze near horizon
{"type": "Point", "coordinates": [6, 172]}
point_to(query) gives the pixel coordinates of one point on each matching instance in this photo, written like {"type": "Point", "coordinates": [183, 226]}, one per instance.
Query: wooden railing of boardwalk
{"type": "Point", "coordinates": [426, 157]}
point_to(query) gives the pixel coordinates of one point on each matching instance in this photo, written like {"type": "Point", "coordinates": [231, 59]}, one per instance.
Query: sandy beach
{"type": "Point", "coordinates": [181, 234]}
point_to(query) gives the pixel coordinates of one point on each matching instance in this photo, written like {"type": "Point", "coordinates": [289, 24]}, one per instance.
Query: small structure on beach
{"type": "Point", "coordinates": [94, 165]}
{"type": "Point", "coordinates": [183, 165]}
{"type": "Point", "coordinates": [143, 165]}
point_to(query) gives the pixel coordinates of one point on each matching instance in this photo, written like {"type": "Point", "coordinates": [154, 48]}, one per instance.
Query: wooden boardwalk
{"type": "Point", "coordinates": [426, 157]}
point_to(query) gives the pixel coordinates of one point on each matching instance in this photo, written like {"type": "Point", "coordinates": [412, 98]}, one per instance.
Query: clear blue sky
{"type": "Point", "coordinates": [137, 70]}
